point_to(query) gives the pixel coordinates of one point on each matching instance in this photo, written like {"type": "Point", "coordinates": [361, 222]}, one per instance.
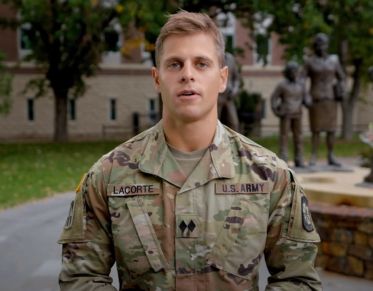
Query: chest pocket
{"type": "Point", "coordinates": [242, 239]}
{"type": "Point", "coordinates": [135, 238]}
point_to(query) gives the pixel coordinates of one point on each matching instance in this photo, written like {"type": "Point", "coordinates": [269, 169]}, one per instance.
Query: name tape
{"type": "Point", "coordinates": [242, 188]}
{"type": "Point", "coordinates": [133, 190]}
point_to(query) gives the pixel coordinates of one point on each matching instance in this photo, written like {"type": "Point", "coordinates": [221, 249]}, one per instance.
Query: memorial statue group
{"type": "Point", "coordinates": [327, 88]}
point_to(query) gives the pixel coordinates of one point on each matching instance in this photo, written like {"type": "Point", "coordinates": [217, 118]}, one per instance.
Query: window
{"type": "Point", "coordinates": [227, 26]}
{"type": "Point", "coordinates": [71, 109]}
{"type": "Point", "coordinates": [113, 109]}
{"type": "Point", "coordinates": [113, 42]}
{"type": "Point", "coordinates": [30, 109]}
{"type": "Point", "coordinates": [262, 51]}
{"type": "Point", "coordinates": [262, 39]}
{"type": "Point", "coordinates": [152, 111]}
{"type": "Point", "coordinates": [24, 37]}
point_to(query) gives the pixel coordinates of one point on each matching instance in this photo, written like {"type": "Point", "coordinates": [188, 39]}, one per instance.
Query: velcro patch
{"type": "Point", "coordinates": [306, 215]}
{"type": "Point", "coordinates": [121, 190]}
{"type": "Point", "coordinates": [70, 216]}
{"type": "Point", "coordinates": [242, 188]}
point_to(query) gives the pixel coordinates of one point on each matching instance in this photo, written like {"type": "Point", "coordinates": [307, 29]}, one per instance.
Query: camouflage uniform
{"type": "Point", "coordinates": [207, 234]}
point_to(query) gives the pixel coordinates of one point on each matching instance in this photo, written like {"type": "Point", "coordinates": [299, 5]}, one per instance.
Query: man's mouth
{"type": "Point", "coordinates": [186, 93]}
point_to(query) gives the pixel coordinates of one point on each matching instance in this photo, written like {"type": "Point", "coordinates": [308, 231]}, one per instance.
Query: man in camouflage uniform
{"type": "Point", "coordinates": [189, 204]}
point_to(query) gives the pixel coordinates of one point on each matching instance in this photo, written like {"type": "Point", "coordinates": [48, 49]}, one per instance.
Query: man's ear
{"type": "Point", "coordinates": [223, 79]}
{"type": "Point", "coordinates": [155, 75]}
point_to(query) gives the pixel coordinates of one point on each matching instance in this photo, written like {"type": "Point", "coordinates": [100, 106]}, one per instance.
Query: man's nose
{"type": "Point", "coordinates": [187, 73]}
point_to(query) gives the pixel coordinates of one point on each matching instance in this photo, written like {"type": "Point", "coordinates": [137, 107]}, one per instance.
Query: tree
{"type": "Point", "coordinates": [66, 42]}
{"type": "Point", "coordinates": [147, 17]}
{"type": "Point", "coordinates": [349, 23]}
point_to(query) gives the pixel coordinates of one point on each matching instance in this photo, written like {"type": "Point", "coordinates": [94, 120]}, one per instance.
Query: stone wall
{"type": "Point", "coordinates": [347, 239]}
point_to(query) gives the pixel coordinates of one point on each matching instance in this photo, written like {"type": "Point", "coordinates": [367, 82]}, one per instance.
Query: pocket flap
{"type": "Point", "coordinates": [146, 233]}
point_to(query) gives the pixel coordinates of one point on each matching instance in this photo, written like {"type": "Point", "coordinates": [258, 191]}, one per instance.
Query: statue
{"type": "Point", "coordinates": [367, 138]}
{"type": "Point", "coordinates": [226, 107]}
{"type": "Point", "coordinates": [327, 88]}
{"type": "Point", "coordinates": [286, 103]}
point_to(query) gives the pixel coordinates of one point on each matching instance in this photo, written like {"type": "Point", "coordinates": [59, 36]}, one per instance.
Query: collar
{"type": "Point", "coordinates": [155, 161]}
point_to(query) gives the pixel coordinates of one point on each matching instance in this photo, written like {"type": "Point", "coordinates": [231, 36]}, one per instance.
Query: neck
{"type": "Point", "coordinates": [189, 136]}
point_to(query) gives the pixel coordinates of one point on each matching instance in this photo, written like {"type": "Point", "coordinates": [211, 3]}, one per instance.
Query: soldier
{"type": "Point", "coordinates": [227, 110]}
{"type": "Point", "coordinates": [286, 103]}
{"type": "Point", "coordinates": [327, 87]}
{"type": "Point", "coordinates": [189, 204]}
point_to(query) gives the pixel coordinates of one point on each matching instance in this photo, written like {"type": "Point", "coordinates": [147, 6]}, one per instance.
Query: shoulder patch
{"type": "Point", "coordinates": [306, 215]}
{"type": "Point", "coordinates": [73, 230]}
{"type": "Point", "coordinates": [300, 227]}
{"type": "Point", "coordinates": [70, 216]}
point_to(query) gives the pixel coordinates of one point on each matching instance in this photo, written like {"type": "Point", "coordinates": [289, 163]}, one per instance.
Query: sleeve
{"type": "Point", "coordinates": [87, 250]}
{"type": "Point", "coordinates": [291, 246]}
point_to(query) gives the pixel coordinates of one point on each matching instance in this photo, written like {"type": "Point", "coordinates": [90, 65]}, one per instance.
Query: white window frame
{"type": "Point", "coordinates": [260, 28]}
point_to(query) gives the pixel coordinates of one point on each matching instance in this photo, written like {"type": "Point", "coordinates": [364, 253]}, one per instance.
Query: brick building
{"type": "Point", "coordinates": [122, 88]}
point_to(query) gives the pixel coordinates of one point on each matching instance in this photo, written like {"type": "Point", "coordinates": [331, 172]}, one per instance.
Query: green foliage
{"type": "Point", "coordinates": [65, 38]}
{"type": "Point", "coordinates": [349, 24]}
{"type": "Point", "coordinates": [66, 41]}
{"type": "Point", "coordinates": [147, 16]}
{"type": "Point", "coordinates": [248, 102]}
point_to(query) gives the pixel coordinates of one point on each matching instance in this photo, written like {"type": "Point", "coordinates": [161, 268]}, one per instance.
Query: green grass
{"type": "Point", "coordinates": [31, 171]}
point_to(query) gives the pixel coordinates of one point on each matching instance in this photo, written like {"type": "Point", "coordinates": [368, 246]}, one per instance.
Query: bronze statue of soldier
{"type": "Point", "coordinates": [326, 88]}
{"type": "Point", "coordinates": [227, 110]}
{"type": "Point", "coordinates": [286, 103]}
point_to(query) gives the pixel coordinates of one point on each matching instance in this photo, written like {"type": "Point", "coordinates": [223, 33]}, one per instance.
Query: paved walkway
{"type": "Point", "coordinates": [30, 256]}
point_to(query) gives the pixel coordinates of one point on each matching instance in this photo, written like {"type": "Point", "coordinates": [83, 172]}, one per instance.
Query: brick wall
{"type": "Point", "coordinates": [347, 239]}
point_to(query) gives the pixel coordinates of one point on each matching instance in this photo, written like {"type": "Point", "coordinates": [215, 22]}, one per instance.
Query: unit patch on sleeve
{"type": "Point", "coordinates": [70, 216]}
{"type": "Point", "coordinates": [306, 215]}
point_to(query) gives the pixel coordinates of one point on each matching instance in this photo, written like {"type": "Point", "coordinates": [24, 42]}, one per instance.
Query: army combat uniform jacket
{"type": "Point", "coordinates": [208, 233]}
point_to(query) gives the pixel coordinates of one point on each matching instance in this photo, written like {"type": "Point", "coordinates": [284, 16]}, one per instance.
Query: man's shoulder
{"type": "Point", "coordinates": [128, 152]}
{"type": "Point", "coordinates": [255, 151]}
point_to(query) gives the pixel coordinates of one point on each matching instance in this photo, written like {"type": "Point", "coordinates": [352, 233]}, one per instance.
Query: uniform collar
{"type": "Point", "coordinates": [155, 159]}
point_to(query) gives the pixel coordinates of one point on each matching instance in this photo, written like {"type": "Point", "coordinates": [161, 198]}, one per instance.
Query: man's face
{"type": "Point", "coordinates": [189, 78]}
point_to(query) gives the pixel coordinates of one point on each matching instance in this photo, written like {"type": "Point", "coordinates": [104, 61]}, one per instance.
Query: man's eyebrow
{"type": "Point", "coordinates": [173, 59]}
{"type": "Point", "coordinates": [204, 58]}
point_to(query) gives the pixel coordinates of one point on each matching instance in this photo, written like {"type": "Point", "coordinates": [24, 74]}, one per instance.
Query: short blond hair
{"type": "Point", "coordinates": [184, 22]}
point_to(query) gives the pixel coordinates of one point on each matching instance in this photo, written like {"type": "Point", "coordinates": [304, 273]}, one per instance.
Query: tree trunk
{"type": "Point", "coordinates": [347, 119]}
{"type": "Point", "coordinates": [349, 103]}
{"type": "Point", "coordinates": [60, 116]}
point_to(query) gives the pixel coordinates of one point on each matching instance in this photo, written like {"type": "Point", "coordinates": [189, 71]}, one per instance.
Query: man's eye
{"type": "Point", "coordinates": [174, 65]}
{"type": "Point", "coordinates": [202, 65]}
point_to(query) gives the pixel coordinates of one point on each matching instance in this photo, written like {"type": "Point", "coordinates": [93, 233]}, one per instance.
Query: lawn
{"type": "Point", "coordinates": [36, 170]}
{"type": "Point", "coordinates": [32, 171]}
